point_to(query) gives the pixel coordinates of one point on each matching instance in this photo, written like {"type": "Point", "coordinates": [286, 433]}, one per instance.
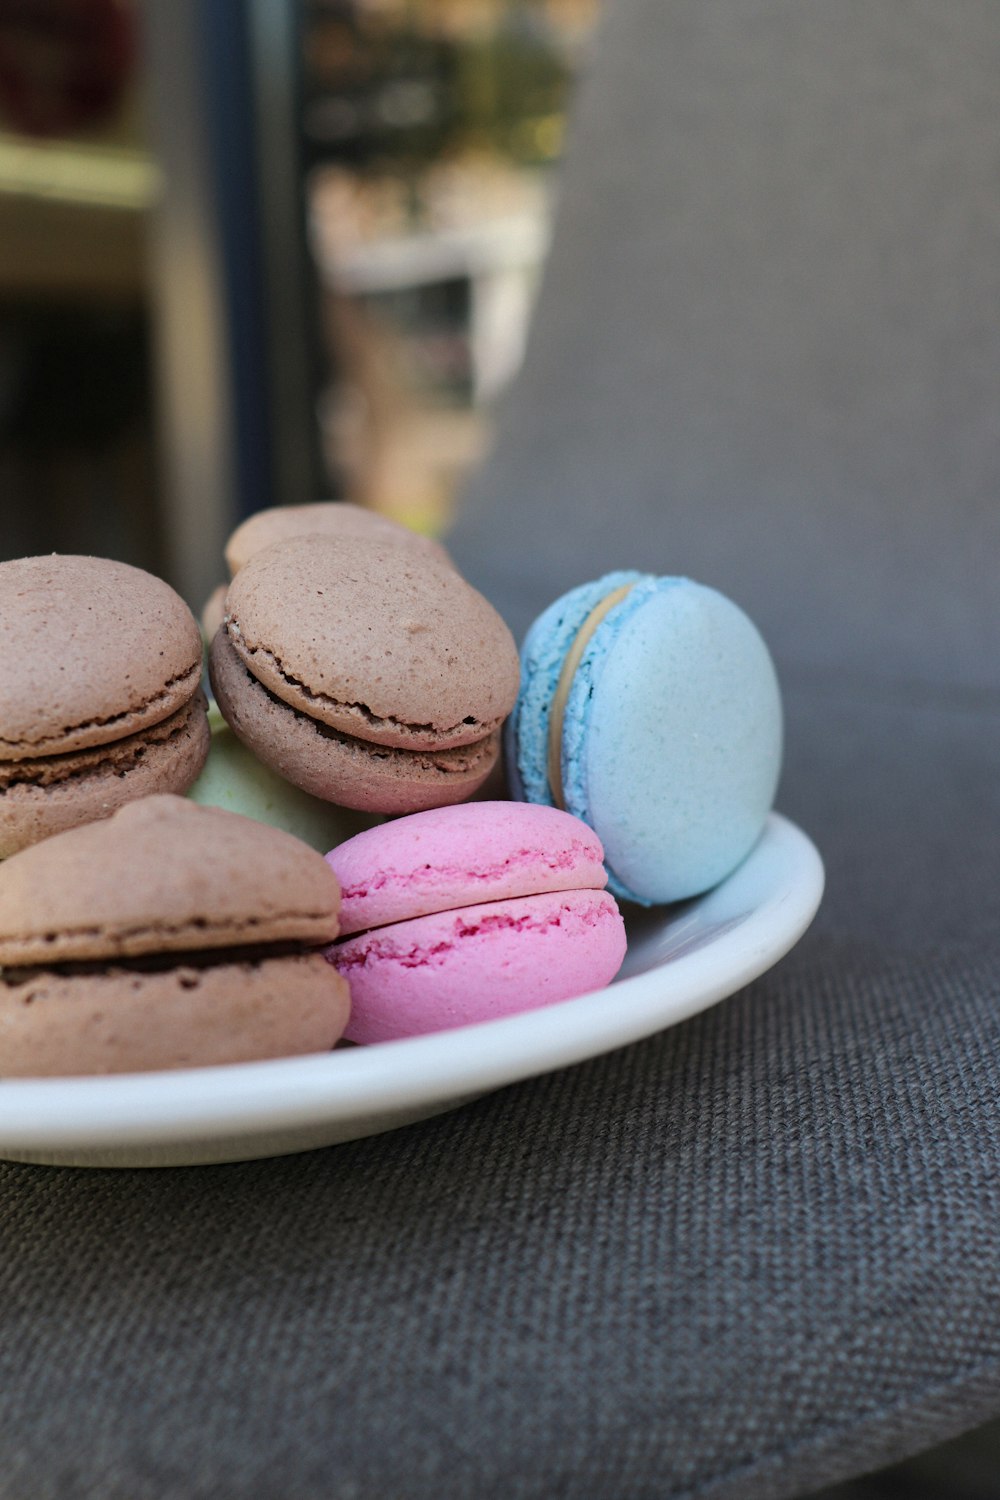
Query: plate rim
{"type": "Point", "coordinates": [256, 1098]}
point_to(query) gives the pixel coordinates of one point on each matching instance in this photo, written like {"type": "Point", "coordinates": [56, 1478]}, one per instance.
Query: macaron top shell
{"type": "Point", "coordinates": [373, 641]}
{"type": "Point", "coordinates": [163, 875]}
{"type": "Point", "coordinates": [671, 735]}
{"type": "Point", "coordinates": [326, 518]}
{"type": "Point", "coordinates": [452, 857]}
{"type": "Point", "coordinates": [93, 650]}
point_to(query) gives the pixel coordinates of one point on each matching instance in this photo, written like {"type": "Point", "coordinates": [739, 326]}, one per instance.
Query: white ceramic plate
{"type": "Point", "coordinates": [681, 960]}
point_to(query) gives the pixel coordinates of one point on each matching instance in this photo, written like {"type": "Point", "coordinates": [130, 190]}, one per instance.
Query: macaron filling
{"type": "Point", "coordinates": [560, 697]}
{"type": "Point", "coordinates": [14, 975]}
{"type": "Point", "coordinates": [543, 656]}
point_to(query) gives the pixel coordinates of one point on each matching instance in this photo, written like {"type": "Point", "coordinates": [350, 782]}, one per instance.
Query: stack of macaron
{"type": "Point", "coordinates": [365, 671]}
{"type": "Point", "coordinates": [235, 776]}
{"type": "Point", "coordinates": [363, 690]}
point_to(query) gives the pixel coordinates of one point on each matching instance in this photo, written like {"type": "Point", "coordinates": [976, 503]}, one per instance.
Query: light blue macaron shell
{"type": "Point", "coordinates": [672, 739]}
{"type": "Point", "coordinates": [542, 655]}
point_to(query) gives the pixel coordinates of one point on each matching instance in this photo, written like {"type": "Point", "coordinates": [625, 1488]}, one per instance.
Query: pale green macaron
{"type": "Point", "coordinates": [235, 779]}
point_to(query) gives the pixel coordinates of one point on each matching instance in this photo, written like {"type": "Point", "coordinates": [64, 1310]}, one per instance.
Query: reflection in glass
{"type": "Point", "coordinates": [433, 131]}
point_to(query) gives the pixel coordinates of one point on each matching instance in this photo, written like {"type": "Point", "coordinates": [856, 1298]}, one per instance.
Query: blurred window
{"type": "Point", "coordinates": [433, 130]}
{"type": "Point", "coordinates": [77, 453]}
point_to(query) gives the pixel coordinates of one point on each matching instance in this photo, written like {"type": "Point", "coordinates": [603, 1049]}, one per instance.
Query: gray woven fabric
{"type": "Point", "coordinates": [711, 1264]}
{"type": "Point", "coordinates": [758, 1253]}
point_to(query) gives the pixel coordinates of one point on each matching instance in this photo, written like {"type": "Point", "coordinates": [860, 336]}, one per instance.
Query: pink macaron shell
{"type": "Point", "coordinates": [455, 856]}
{"type": "Point", "coordinates": [494, 959]}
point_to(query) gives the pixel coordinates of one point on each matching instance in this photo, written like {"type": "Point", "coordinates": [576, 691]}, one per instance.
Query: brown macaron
{"type": "Point", "coordinates": [100, 699]}
{"type": "Point", "coordinates": [364, 673]}
{"type": "Point", "coordinates": [336, 518]}
{"type": "Point", "coordinates": [167, 936]}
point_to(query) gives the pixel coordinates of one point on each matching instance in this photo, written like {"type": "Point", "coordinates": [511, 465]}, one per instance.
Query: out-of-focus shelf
{"type": "Point", "coordinates": [94, 176]}
{"type": "Point", "coordinates": [73, 219]}
{"type": "Point", "coordinates": [48, 247]}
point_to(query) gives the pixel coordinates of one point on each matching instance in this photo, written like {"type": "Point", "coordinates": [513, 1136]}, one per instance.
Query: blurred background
{"type": "Point", "coordinates": [264, 251]}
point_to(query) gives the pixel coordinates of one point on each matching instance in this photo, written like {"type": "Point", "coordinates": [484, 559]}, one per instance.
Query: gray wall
{"type": "Point", "coordinates": [768, 345]}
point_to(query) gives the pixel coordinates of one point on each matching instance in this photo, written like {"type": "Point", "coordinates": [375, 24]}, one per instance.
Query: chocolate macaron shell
{"type": "Point", "coordinates": [374, 642]}
{"type": "Point", "coordinates": [339, 768]}
{"type": "Point", "coordinates": [163, 875]}
{"type": "Point", "coordinates": [93, 650]}
{"type": "Point", "coordinates": [323, 518]}
{"type": "Point", "coordinates": [125, 1020]}
{"type": "Point", "coordinates": [43, 797]}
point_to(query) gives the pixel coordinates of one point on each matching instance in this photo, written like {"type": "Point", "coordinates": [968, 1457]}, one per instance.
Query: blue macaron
{"type": "Point", "coordinates": [650, 708]}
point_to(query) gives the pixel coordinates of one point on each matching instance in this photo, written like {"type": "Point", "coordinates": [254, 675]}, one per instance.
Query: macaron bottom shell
{"type": "Point", "coordinates": [124, 1020]}
{"type": "Point", "coordinates": [337, 767]}
{"type": "Point", "coordinates": [498, 958]}
{"type": "Point", "coordinates": [49, 795]}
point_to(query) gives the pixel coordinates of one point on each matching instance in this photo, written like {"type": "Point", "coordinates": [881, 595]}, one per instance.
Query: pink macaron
{"type": "Point", "coordinates": [471, 912]}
